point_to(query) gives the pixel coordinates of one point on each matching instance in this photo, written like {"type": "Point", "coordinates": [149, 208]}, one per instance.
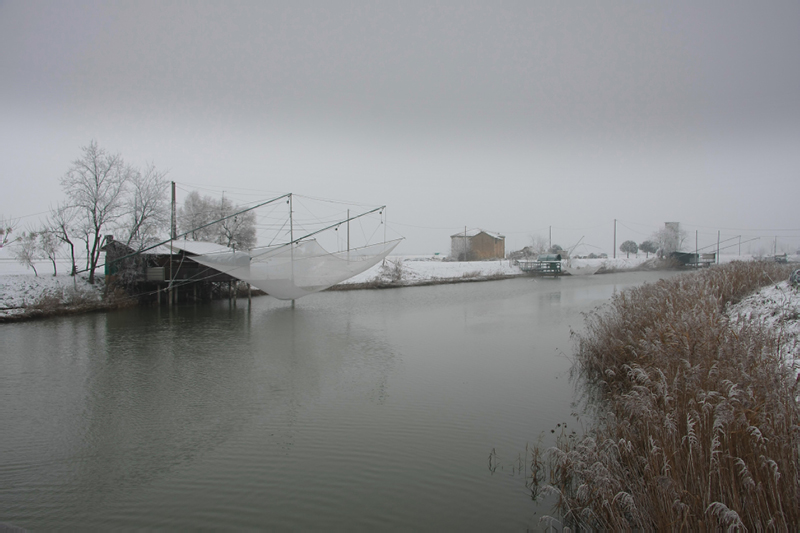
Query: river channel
{"type": "Point", "coordinates": [356, 410]}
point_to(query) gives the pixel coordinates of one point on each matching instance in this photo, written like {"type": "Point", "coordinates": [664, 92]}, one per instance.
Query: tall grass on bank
{"type": "Point", "coordinates": [697, 424]}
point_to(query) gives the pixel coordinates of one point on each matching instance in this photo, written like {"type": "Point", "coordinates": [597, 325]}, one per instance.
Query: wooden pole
{"type": "Point", "coordinates": [465, 243]}
{"type": "Point", "coordinates": [172, 238]}
{"type": "Point", "coordinates": [615, 238]}
{"type": "Point", "coordinates": [291, 238]}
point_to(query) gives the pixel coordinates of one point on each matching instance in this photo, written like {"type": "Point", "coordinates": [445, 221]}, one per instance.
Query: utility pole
{"type": "Point", "coordinates": [383, 221]}
{"type": "Point", "coordinates": [718, 233]}
{"type": "Point", "coordinates": [615, 238]}
{"type": "Point", "coordinates": [740, 245]}
{"type": "Point", "coordinates": [173, 235]}
{"type": "Point", "coordinates": [550, 238]}
{"type": "Point", "coordinates": [291, 239]}
{"type": "Point", "coordinates": [696, 256]}
{"type": "Point", "coordinates": [174, 218]}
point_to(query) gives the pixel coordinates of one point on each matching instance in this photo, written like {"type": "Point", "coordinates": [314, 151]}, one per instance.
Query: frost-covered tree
{"type": "Point", "coordinates": [146, 207]}
{"type": "Point", "coordinates": [538, 244]}
{"type": "Point", "coordinates": [6, 229]}
{"type": "Point", "coordinates": [95, 186]}
{"type": "Point", "coordinates": [198, 213]}
{"type": "Point", "coordinates": [27, 250]}
{"type": "Point", "coordinates": [238, 231]}
{"type": "Point", "coordinates": [629, 247]}
{"type": "Point", "coordinates": [670, 238]}
{"type": "Point", "coordinates": [648, 247]}
{"type": "Point", "coordinates": [49, 245]}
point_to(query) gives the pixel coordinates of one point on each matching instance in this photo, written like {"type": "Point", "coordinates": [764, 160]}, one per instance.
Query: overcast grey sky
{"type": "Point", "coordinates": [508, 116]}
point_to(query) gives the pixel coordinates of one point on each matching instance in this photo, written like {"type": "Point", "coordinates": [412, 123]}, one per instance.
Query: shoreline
{"type": "Point", "coordinates": [693, 388]}
{"type": "Point", "coordinates": [25, 297]}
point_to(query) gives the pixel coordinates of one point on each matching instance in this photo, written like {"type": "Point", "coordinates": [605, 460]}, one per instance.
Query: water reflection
{"type": "Point", "coordinates": [371, 409]}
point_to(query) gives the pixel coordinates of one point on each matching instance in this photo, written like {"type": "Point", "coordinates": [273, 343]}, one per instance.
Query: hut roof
{"type": "Point", "coordinates": [477, 231]}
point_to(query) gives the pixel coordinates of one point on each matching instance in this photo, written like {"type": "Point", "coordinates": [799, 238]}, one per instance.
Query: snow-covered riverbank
{"type": "Point", "coordinates": [19, 288]}
{"type": "Point", "coordinates": [777, 306]}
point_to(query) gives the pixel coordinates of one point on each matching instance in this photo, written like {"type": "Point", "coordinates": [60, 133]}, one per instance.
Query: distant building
{"type": "Point", "coordinates": [477, 245]}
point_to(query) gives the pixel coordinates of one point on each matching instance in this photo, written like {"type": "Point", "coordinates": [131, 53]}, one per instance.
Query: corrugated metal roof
{"type": "Point", "coordinates": [197, 247]}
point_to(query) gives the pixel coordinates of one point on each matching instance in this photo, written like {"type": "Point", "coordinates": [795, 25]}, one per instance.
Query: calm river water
{"type": "Point", "coordinates": [357, 410]}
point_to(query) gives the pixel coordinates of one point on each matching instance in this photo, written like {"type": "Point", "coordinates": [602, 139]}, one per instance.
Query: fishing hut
{"type": "Point", "coordinates": [544, 265]}
{"type": "Point", "coordinates": [163, 270]}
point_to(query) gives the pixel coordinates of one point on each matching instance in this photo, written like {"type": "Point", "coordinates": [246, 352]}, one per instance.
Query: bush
{"type": "Point", "coordinates": [392, 270]}
{"type": "Point", "coordinates": [696, 422]}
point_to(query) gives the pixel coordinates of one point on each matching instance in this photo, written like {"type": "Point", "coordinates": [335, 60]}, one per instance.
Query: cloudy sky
{"type": "Point", "coordinates": [514, 117]}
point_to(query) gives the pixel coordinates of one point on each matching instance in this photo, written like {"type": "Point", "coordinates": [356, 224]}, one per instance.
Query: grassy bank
{"type": "Point", "coordinates": [696, 419]}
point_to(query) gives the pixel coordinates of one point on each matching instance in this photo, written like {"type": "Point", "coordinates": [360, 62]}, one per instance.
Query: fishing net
{"type": "Point", "coordinates": [288, 272]}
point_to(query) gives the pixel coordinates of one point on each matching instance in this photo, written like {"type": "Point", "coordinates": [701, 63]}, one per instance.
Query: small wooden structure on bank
{"type": "Point", "coordinates": [692, 260]}
{"type": "Point", "coordinates": [160, 270]}
{"type": "Point", "coordinates": [545, 265]}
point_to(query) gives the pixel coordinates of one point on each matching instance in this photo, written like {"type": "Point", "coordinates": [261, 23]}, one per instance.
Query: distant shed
{"type": "Point", "coordinates": [477, 245]}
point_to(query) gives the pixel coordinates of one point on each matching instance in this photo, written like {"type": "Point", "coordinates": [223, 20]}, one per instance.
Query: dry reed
{"type": "Point", "coordinates": [696, 422]}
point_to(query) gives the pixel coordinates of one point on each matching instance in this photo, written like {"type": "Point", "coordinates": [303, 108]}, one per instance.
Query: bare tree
{"type": "Point", "coordinates": [197, 211]}
{"type": "Point", "coordinates": [60, 223]}
{"type": "Point", "coordinates": [147, 207]}
{"type": "Point", "coordinates": [49, 244]}
{"type": "Point", "coordinates": [7, 227]}
{"type": "Point", "coordinates": [538, 244]}
{"type": "Point", "coordinates": [95, 185]}
{"type": "Point", "coordinates": [238, 231]}
{"type": "Point", "coordinates": [27, 250]}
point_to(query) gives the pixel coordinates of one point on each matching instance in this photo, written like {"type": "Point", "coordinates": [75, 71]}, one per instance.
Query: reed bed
{"type": "Point", "coordinates": [696, 424]}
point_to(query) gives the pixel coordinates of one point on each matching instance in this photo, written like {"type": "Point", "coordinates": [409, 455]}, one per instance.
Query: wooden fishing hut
{"type": "Point", "coordinates": [155, 273]}
{"type": "Point", "coordinates": [692, 260]}
{"type": "Point", "coordinates": [545, 265]}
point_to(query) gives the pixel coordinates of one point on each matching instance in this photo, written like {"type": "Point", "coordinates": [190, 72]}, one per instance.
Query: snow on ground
{"type": "Point", "coordinates": [19, 287]}
{"type": "Point", "coordinates": [21, 290]}
{"type": "Point", "coordinates": [778, 307]}
{"type": "Point", "coordinates": [578, 266]}
{"type": "Point", "coordinates": [418, 269]}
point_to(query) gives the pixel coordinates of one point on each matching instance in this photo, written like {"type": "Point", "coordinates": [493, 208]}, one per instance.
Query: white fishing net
{"type": "Point", "coordinates": [289, 272]}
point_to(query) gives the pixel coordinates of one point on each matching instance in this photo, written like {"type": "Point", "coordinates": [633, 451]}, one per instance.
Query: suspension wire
{"type": "Point", "coordinates": [714, 245]}
{"type": "Point", "coordinates": [190, 231]}
{"type": "Point", "coordinates": [306, 236]}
